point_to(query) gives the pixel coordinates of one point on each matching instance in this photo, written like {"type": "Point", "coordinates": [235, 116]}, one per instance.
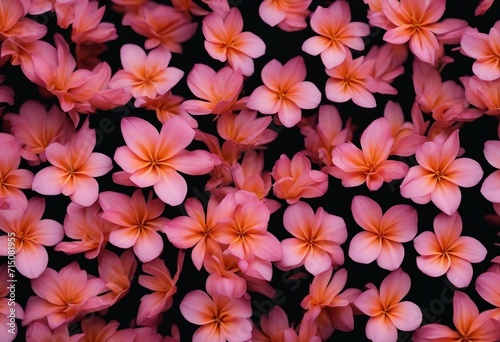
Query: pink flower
{"type": "Point", "coordinates": [61, 296]}
{"type": "Point", "coordinates": [471, 325]}
{"type": "Point", "coordinates": [387, 312]}
{"type": "Point", "coordinates": [491, 185]}
{"type": "Point", "coordinates": [196, 230]}
{"type": "Point", "coordinates": [153, 159]}
{"type": "Point", "coordinates": [85, 225]}
{"type": "Point", "coordinates": [220, 89]}
{"type": "Point", "coordinates": [94, 328]}
{"type": "Point", "coordinates": [223, 278]}
{"type": "Point", "coordinates": [384, 233]}
{"type": "Point", "coordinates": [351, 80]}
{"type": "Point", "coordinates": [73, 168]}
{"type": "Point", "coordinates": [145, 75]}
{"type": "Point", "coordinates": [484, 49]}
{"type": "Point", "coordinates": [388, 65]}
{"type": "Point", "coordinates": [137, 222]}
{"type": "Point", "coordinates": [438, 176]}
{"type": "Point", "coordinates": [317, 239]}
{"type": "Point", "coordinates": [284, 91]}
{"type": "Point", "coordinates": [370, 164]}
{"type": "Point", "coordinates": [289, 15]}
{"type": "Point", "coordinates": [336, 34]}
{"type": "Point", "coordinates": [224, 40]}
{"type": "Point", "coordinates": [484, 95]}
{"type": "Point", "coordinates": [295, 179]}
{"type": "Point", "coordinates": [273, 325]}
{"type": "Point", "coordinates": [161, 282]}
{"type": "Point", "coordinates": [445, 251]}
{"type": "Point", "coordinates": [31, 233]}
{"type": "Point", "coordinates": [87, 26]}
{"type": "Point", "coordinates": [38, 331]}
{"type": "Point", "coordinates": [166, 107]}
{"type": "Point", "coordinates": [62, 8]}
{"type": "Point", "coordinates": [221, 318]}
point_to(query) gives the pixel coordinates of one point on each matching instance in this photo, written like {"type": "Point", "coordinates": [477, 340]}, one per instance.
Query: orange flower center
{"type": "Point", "coordinates": [438, 175]}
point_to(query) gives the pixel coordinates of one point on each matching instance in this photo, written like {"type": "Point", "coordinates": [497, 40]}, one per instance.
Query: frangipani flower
{"type": "Point", "coordinates": [284, 91]}
{"type": "Point", "coordinates": [387, 312]}
{"type": "Point", "coordinates": [224, 40]}
{"type": "Point", "coordinates": [438, 176]}
{"type": "Point", "coordinates": [445, 251]}
{"type": "Point", "coordinates": [73, 168]}
{"type": "Point", "coordinates": [336, 33]}
{"type": "Point", "coordinates": [289, 15]}
{"type": "Point", "coordinates": [153, 159]}
{"type": "Point", "coordinates": [31, 234]}
{"type": "Point", "coordinates": [484, 95]}
{"type": "Point", "coordinates": [485, 49]}
{"type": "Point", "coordinates": [145, 75]}
{"type": "Point", "coordinates": [221, 318]}
{"type": "Point", "coordinates": [384, 233]}
{"type": "Point", "coordinates": [471, 325]}
{"type": "Point", "coordinates": [317, 239]}
{"type": "Point", "coordinates": [370, 164]}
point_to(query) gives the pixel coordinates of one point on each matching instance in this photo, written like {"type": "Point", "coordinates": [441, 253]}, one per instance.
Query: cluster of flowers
{"type": "Point", "coordinates": [229, 238]}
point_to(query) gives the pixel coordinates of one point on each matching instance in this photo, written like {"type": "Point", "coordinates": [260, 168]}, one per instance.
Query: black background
{"type": "Point", "coordinates": [425, 291]}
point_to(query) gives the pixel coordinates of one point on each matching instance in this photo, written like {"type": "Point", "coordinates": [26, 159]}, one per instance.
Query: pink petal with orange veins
{"type": "Point", "coordinates": [58, 155]}
{"type": "Point", "coordinates": [146, 176]}
{"type": "Point", "coordinates": [293, 72]}
{"type": "Point", "coordinates": [294, 252]}
{"type": "Point", "coordinates": [348, 157]}
{"type": "Point", "coordinates": [333, 55]}
{"type": "Point", "coordinates": [316, 45]}
{"type": "Point", "coordinates": [464, 312]}
{"type": "Point", "coordinates": [208, 333]}
{"type": "Point", "coordinates": [369, 302]}
{"type": "Point", "coordinates": [172, 188]}
{"type": "Point", "coordinates": [86, 191]}
{"type": "Point", "coordinates": [140, 136]}
{"type": "Point", "coordinates": [418, 182]}
{"type": "Point", "coordinates": [487, 287]}
{"type": "Point", "coordinates": [270, 13]}
{"type": "Point", "coordinates": [197, 307]}
{"type": "Point", "coordinates": [32, 259]}
{"type": "Point", "coordinates": [394, 287]}
{"type": "Point", "coordinates": [166, 79]}
{"type": "Point", "coordinates": [433, 265]}
{"type": "Point", "coordinates": [238, 329]}
{"type": "Point", "coordinates": [128, 160]}
{"type": "Point", "coordinates": [317, 261]}
{"type": "Point", "coordinates": [469, 249]}
{"type": "Point", "coordinates": [148, 245]}
{"type": "Point", "coordinates": [491, 187]}
{"type": "Point", "coordinates": [464, 172]}
{"type": "Point", "coordinates": [97, 165]}
{"type": "Point", "coordinates": [264, 100]}
{"type": "Point", "coordinates": [19, 178]}
{"type": "Point", "coordinates": [37, 308]}
{"type": "Point", "coordinates": [400, 223]}
{"type": "Point", "coordinates": [367, 213]}
{"type": "Point", "coordinates": [305, 95]}
{"type": "Point", "coordinates": [196, 107]}
{"type": "Point", "coordinates": [47, 232]}
{"type": "Point", "coordinates": [216, 51]}
{"type": "Point", "coordinates": [175, 135]}
{"type": "Point", "coordinates": [193, 162]}
{"type": "Point", "coordinates": [337, 91]}
{"type": "Point", "coordinates": [447, 228]}
{"type": "Point", "coordinates": [124, 237]}
{"type": "Point", "coordinates": [381, 329]}
{"type": "Point", "coordinates": [297, 219]}
{"type": "Point", "coordinates": [364, 247]}
{"type": "Point", "coordinates": [446, 196]}
{"type": "Point", "coordinates": [239, 60]}
{"type": "Point", "coordinates": [492, 152]}
{"type": "Point", "coordinates": [406, 316]}
{"type": "Point", "coordinates": [427, 244]}
{"type": "Point", "coordinates": [289, 113]}
{"type": "Point", "coordinates": [398, 35]}
{"type": "Point", "coordinates": [487, 69]}
{"type": "Point", "coordinates": [250, 44]}
{"type": "Point", "coordinates": [424, 45]}
{"type": "Point", "coordinates": [391, 255]}
{"type": "Point", "coordinates": [132, 57]}
{"type": "Point", "coordinates": [49, 180]}
{"type": "Point", "coordinates": [475, 44]}
{"type": "Point", "coordinates": [435, 332]}
{"type": "Point", "coordinates": [460, 272]}
{"type": "Point", "coordinates": [199, 80]}
{"type": "Point", "coordinates": [378, 131]}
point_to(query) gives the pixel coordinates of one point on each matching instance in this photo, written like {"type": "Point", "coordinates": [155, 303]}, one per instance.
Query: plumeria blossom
{"type": "Point", "coordinates": [491, 186]}
{"type": "Point", "coordinates": [439, 174]}
{"type": "Point", "coordinates": [445, 251]}
{"type": "Point", "coordinates": [225, 276]}
{"type": "Point", "coordinates": [166, 107]}
{"type": "Point", "coordinates": [370, 164]}
{"type": "Point", "coordinates": [384, 233]}
{"type": "Point", "coordinates": [471, 325]}
{"type": "Point", "coordinates": [5, 307]}
{"type": "Point", "coordinates": [317, 239]}
{"type": "Point", "coordinates": [153, 158]}
{"type": "Point", "coordinates": [38, 331]}
{"type": "Point", "coordinates": [87, 26]}
{"type": "Point", "coordinates": [162, 283]}
{"type": "Point", "coordinates": [145, 75]}
{"type": "Point", "coordinates": [96, 329]}
{"type": "Point", "coordinates": [73, 168]}
{"type": "Point", "coordinates": [61, 296]}
{"type": "Point", "coordinates": [306, 331]}
{"type": "Point", "coordinates": [225, 41]}
{"type": "Point", "coordinates": [416, 22]}
{"type": "Point", "coordinates": [336, 33]}
{"type": "Point", "coordinates": [272, 326]}
{"type": "Point", "coordinates": [485, 50]}
{"type": "Point", "coordinates": [14, 24]}
{"type": "Point", "coordinates": [31, 234]}
{"type": "Point", "coordinates": [35, 128]}
{"type": "Point", "coordinates": [289, 15]}
{"type": "Point", "coordinates": [220, 90]}
{"type": "Point", "coordinates": [295, 179]}
{"type": "Point", "coordinates": [221, 318]}
{"type": "Point", "coordinates": [284, 91]}
{"type": "Point", "coordinates": [484, 95]}
{"type": "Point", "coordinates": [329, 306]}
{"type": "Point", "coordinates": [136, 221]}
{"type": "Point", "coordinates": [386, 310]}
{"type": "Point", "coordinates": [388, 59]}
